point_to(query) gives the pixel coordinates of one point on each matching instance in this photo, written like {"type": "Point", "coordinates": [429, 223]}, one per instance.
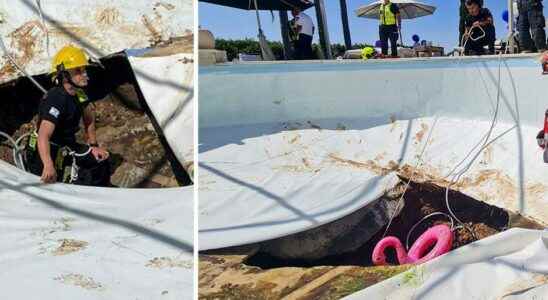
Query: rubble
{"type": "Point", "coordinates": [138, 156]}
{"type": "Point", "coordinates": [256, 272]}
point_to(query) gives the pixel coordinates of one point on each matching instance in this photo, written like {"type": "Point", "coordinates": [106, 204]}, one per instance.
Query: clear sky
{"type": "Point", "coordinates": [441, 28]}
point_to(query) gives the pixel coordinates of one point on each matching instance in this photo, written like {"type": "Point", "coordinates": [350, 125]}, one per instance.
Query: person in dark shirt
{"type": "Point", "coordinates": [390, 26]}
{"type": "Point", "coordinates": [531, 21]}
{"type": "Point", "coordinates": [479, 29]}
{"type": "Point", "coordinates": [58, 156]}
{"type": "Point", "coordinates": [463, 13]}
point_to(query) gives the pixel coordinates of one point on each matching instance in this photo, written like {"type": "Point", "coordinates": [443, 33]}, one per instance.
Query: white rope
{"type": "Point", "coordinates": [9, 138]}
{"type": "Point", "coordinates": [17, 157]}
{"type": "Point", "coordinates": [74, 167]}
{"type": "Point", "coordinates": [494, 121]}
{"type": "Point", "coordinates": [75, 154]}
{"type": "Point", "coordinates": [419, 160]}
{"type": "Point", "coordinates": [468, 36]}
{"type": "Point", "coordinates": [422, 220]}
{"type": "Point", "coordinates": [456, 177]}
{"type": "Point", "coordinates": [17, 152]}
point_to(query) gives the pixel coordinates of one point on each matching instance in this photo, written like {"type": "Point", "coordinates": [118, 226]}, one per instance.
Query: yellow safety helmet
{"type": "Point", "coordinates": [69, 57]}
{"type": "Point", "coordinates": [368, 52]}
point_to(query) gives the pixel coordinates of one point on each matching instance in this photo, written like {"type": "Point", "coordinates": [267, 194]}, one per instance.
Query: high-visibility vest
{"type": "Point", "coordinates": [387, 17]}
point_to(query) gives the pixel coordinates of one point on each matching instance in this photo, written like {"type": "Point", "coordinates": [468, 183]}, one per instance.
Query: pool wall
{"type": "Point", "coordinates": [244, 94]}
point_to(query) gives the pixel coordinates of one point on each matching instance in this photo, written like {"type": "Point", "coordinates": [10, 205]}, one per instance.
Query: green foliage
{"type": "Point", "coordinates": [247, 46]}
{"type": "Point", "coordinates": [251, 46]}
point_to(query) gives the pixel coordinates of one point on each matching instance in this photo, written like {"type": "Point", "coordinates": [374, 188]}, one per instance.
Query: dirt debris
{"type": "Point", "coordinates": [68, 246]}
{"type": "Point", "coordinates": [168, 262]}
{"type": "Point", "coordinates": [80, 280]}
{"type": "Point", "coordinates": [247, 273]}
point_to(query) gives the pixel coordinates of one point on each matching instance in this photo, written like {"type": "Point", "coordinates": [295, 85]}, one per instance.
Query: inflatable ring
{"type": "Point", "coordinates": [440, 236]}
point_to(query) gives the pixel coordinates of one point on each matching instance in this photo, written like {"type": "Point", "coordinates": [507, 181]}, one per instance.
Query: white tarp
{"type": "Point", "coordinates": [280, 143]}
{"type": "Point", "coordinates": [509, 265]}
{"type": "Point", "coordinates": [71, 242]}
{"type": "Point", "coordinates": [273, 186]}
{"type": "Point", "coordinates": [33, 30]}
{"type": "Point", "coordinates": [167, 85]}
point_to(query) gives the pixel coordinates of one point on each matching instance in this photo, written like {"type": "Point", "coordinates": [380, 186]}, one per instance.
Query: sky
{"type": "Point", "coordinates": [441, 28]}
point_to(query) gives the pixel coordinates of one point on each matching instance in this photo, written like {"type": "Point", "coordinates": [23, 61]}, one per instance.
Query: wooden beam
{"type": "Point", "coordinates": [346, 27]}
{"type": "Point", "coordinates": [288, 49]}
{"type": "Point", "coordinates": [322, 29]}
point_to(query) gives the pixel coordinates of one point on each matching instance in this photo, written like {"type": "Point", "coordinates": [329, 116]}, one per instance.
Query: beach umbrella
{"type": "Point", "coordinates": [263, 4]}
{"type": "Point", "coordinates": [409, 9]}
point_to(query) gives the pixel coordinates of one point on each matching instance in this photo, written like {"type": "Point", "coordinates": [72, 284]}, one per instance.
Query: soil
{"type": "Point", "coordinates": [480, 219]}
{"type": "Point", "coordinates": [246, 273]}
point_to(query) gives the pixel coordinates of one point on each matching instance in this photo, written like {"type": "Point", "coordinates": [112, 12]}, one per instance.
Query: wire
{"type": "Point", "coordinates": [419, 160]}
{"type": "Point", "coordinates": [456, 177]}
{"type": "Point", "coordinates": [422, 220]}
{"type": "Point", "coordinates": [493, 123]}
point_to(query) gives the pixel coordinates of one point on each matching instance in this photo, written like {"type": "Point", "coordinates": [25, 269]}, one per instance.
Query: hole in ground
{"type": "Point", "coordinates": [140, 154]}
{"type": "Point", "coordinates": [420, 200]}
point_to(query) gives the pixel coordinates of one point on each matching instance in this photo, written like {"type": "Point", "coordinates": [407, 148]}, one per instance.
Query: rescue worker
{"type": "Point", "coordinates": [293, 34]}
{"type": "Point", "coordinates": [463, 15]}
{"type": "Point", "coordinates": [390, 26]}
{"type": "Point", "coordinates": [304, 31]}
{"type": "Point", "coordinates": [478, 22]}
{"type": "Point", "coordinates": [531, 23]}
{"type": "Point", "coordinates": [54, 153]}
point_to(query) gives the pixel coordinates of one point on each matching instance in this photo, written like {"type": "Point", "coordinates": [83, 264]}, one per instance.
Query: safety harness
{"type": "Point", "coordinates": [70, 175]}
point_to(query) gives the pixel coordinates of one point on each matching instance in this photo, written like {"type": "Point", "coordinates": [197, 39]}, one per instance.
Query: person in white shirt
{"type": "Point", "coordinates": [304, 28]}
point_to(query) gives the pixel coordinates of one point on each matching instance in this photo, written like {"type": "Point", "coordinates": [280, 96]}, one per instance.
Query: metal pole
{"type": "Point", "coordinates": [346, 28]}
{"type": "Point", "coordinates": [257, 14]}
{"type": "Point", "coordinates": [322, 29]}
{"type": "Point", "coordinates": [284, 20]}
{"type": "Point", "coordinates": [511, 26]}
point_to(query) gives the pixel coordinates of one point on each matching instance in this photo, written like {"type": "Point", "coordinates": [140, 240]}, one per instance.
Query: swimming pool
{"type": "Point", "coordinates": [305, 143]}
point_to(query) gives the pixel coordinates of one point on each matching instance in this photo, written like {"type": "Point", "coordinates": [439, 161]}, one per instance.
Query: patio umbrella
{"type": "Point", "coordinates": [264, 4]}
{"type": "Point", "coordinates": [409, 9]}
{"type": "Point", "coordinates": [257, 5]}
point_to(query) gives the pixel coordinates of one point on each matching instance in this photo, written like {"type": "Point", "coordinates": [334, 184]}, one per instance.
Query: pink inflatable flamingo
{"type": "Point", "coordinates": [440, 235]}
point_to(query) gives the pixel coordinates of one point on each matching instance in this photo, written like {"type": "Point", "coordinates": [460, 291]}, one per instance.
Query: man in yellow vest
{"type": "Point", "coordinates": [390, 24]}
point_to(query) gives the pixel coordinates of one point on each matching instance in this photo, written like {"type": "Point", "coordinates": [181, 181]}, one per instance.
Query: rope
{"type": "Point", "coordinates": [419, 160]}
{"type": "Point", "coordinates": [17, 156]}
{"type": "Point", "coordinates": [74, 167]}
{"type": "Point", "coordinates": [422, 220]}
{"type": "Point", "coordinates": [17, 152]}
{"type": "Point", "coordinates": [456, 177]}
{"type": "Point", "coordinates": [463, 42]}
